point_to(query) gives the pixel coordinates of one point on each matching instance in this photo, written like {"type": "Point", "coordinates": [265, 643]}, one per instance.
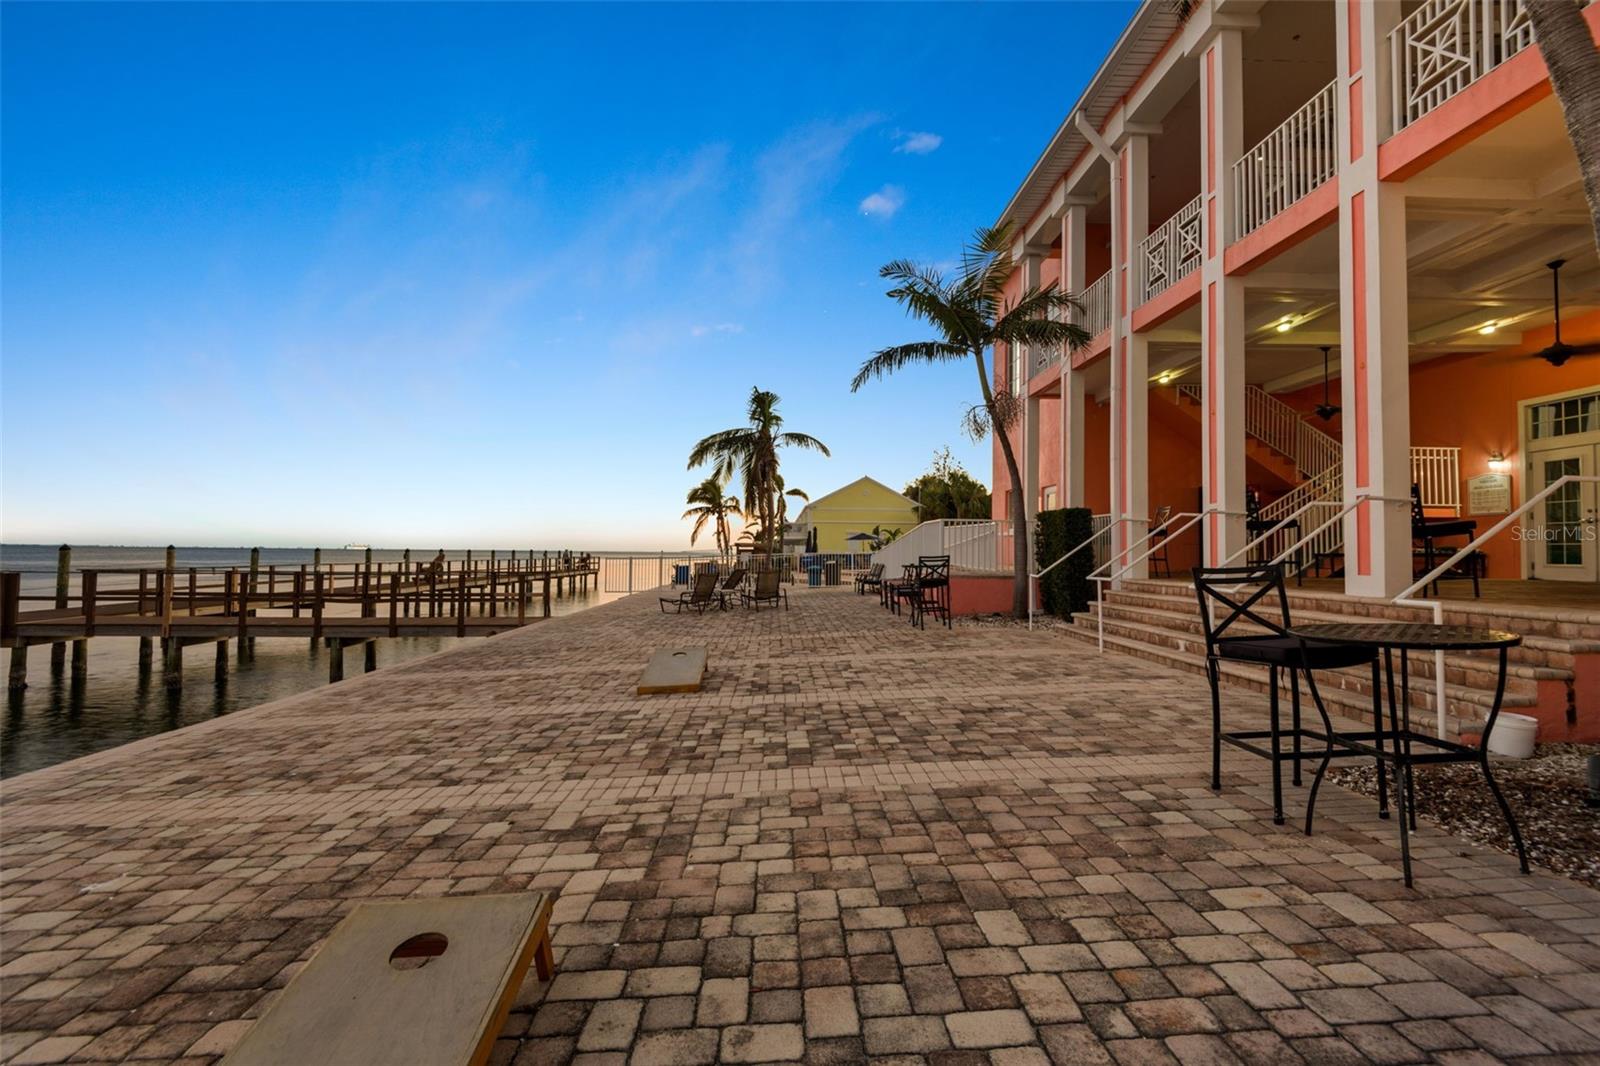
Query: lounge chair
{"type": "Point", "coordinates": [701, 595]}
{"type": "Point", "coordinates": [869, 580]}
{"type": "Point", "coordinates": [767, 590]}
{"type": "Point", "coordinates": [731, 585]}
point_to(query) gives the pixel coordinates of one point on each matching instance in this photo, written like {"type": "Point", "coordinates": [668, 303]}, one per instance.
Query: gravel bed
{"type": "Point", "coordinates": [1547, 794]}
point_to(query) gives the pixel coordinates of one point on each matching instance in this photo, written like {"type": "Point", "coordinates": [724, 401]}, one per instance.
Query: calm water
{"type": "Point", "coordinates": [54, 720]}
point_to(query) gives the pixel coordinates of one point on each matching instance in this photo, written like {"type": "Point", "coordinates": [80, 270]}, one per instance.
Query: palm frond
{"type": "Point", "coordinates": [803, 440]}
{"type": "Point", "coordinates": [888, 360]}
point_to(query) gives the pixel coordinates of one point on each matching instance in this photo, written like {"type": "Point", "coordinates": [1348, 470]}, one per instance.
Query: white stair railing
{"type": "Point", "coordinates": [1405, 598]}
{"type": "Point", "coordinates": [1284, 429]}
{"type": "Point", "coordinates": [1096, 300]}
{"type": "Point", "coordinates": [1289, 162]}
{"type": "Point", "coordinates": [1445, 45]}
{"type": "Point", "coordinates": [1171, 253]}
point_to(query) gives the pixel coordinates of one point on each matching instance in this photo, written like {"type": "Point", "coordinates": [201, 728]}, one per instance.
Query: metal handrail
{"type": "Point", "coordinates": [1096, 535]}
{"type": "Point", "coordinates": [1167, 530]}
{"type": "Point", "coordinates": [1404, 598]}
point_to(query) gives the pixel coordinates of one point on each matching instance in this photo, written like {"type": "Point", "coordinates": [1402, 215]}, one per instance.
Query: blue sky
{"type": "Point", "coordinates": [480, 275]}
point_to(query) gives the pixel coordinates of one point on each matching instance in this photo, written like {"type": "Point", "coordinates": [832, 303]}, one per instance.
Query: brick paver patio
{"type": "Point", "coordinates": [861, 843]}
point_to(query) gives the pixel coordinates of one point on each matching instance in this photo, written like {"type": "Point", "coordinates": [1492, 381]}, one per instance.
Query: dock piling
{"type": "Point", "coordinates": [17, 680]}
{"type": "Point", "coordinates": [172, 662]}
{"type": "Point", "coordinates": [371, 659]}
{"type": "Point", "coordinates": [335, 660]}
{"type": "Point", "coordinates": [58, 650]}
{"type": "Point", "coordinates": [222, 661]}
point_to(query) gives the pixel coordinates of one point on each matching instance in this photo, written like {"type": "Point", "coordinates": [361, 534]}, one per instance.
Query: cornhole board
{"type": "Point", "coordinates": [364, 999]}
{"type": "Point", "coordinates": [673, 670]}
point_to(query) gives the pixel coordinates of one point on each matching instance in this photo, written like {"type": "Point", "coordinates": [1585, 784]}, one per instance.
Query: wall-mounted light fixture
{"type": "Point", "coordinates": [1497, 461]}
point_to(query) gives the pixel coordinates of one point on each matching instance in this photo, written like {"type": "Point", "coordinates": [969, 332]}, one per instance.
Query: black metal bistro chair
{"type": "Point", "coordinates": [1232, 600]}
{"type": "Point", "coordinates": [929, 591]}
{"type": "Point", "coordinates": [1427, 531]}
{"type": "Point", "coordinates": [1160, 561]}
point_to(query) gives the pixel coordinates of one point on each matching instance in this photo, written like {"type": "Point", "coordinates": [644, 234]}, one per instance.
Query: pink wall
{"type": "Point", "coordinates": [1470, 402]}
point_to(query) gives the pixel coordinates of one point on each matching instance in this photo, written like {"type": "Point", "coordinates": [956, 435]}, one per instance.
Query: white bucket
{"type": "Point", "coordinates": [1513, 735]}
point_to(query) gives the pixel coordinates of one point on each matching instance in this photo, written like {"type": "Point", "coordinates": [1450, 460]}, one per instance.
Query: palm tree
{"type": "Point", "coordinates": [1569, 51]}
{"type": "Point", "coordinates": [970, 313]}
{"type": "Point", "coordinates": [752, 450]}
{"type": "Point", "coordinates": [709, 503]}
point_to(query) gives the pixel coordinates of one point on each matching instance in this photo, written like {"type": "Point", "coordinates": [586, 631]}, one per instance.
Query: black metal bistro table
{"type": "Point", "coordinates": [1404, 637]}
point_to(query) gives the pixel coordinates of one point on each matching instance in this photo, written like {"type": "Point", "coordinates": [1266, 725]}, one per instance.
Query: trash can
{"type": "Point", "coordinates": [680, 573]}
{"type": "Point", "coordinates": [830, 572]}
{"type": "Point", "coordinates": [813, 576]}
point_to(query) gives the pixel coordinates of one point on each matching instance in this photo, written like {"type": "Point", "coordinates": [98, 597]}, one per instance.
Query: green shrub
{"type": "Point", "coordinates": [1067, 588]}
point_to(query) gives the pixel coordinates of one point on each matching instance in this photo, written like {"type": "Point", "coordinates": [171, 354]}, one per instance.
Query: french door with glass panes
{"type": "Point", "coordinates": [1565, 526]}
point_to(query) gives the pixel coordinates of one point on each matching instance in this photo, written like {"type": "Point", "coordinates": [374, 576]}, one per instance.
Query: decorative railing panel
{"type": "Point", "coordinates": [1275, 423]}
{"type": "Point", "coordinates": [1171, 252]}
{"type": "Point", "coordinates": [1446, 45]}
{"type": "Point", "coordinates": [1287, 164]}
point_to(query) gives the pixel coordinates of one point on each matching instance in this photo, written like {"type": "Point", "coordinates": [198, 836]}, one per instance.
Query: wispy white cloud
{"type": "Point", "coordinates": [917, 143]}
{"type": "Point", "coordinates": [720, 327]}
{"type": "Point", "coordinates": [885, 202]}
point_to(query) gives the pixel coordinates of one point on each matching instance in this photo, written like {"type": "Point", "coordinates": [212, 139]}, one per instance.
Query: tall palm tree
{"type": "Point", "coordinates": [1569, 51]}
{"type": "Point", "coordinates": [710, 504]}
{"type": "Point", "coordinates": [971, 314]}
{"type": "Point", "coordinates": [752, 451]}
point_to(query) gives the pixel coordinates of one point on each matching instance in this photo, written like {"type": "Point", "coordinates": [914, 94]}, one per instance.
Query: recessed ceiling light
{"type": "Point", "coordinates": [1488, 328]}
{"type": "Point", "coordinates": [1285, 326]}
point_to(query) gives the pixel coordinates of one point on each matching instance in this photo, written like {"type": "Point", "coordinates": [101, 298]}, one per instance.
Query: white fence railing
{"type": "Point", "coordinates": [1437, 475]}
{"type": "Point", "coordinates": [1311, 503]}
{"type": "Point", "coordinates": [1171, 252]}
{"type": "Point", "coordinates": [1446, 45]}
{"type": "Point", "coordinates": [1096, 300]}
{"type": "Point", "coordinates": [1289, 162]}
{"type": "Point", "coordinates": [971, 543]}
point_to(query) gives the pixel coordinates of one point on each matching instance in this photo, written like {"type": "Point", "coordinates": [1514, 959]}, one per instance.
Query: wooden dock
{"type": "Point", "coordinates": [335, 604]}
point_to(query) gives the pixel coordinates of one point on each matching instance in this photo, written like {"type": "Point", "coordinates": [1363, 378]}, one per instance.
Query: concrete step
{"type": "Point", "coordinates": [1522, 692]}
{"type": "Point", "coordinates": [1526, 619]}
{"type": "Point", "coordinates": [1472, 671]}
{"type": "Point", "coordinates": [1344, 691]}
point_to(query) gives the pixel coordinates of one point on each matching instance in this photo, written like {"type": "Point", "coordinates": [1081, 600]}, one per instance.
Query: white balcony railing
{"type": "Point", "coordinates": [1048, 355]}
{"type": "Point", "coordinates": [1446, 45]}
{"type": "Point", "coordinates": [1170, 253]}
{"type": "Point", "coordinates": [1287, 164]}
{"type": "Point", "coordinates": [1096, 301]}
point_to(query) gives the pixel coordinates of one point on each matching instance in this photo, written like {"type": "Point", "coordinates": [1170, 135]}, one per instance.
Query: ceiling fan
{"type": "Point", "coordinates": [1325, 410]}
{"type": "Point", "coordinates": [1558, 352]}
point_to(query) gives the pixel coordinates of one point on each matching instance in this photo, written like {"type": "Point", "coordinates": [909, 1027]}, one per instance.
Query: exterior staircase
{"type": "Point", "coordinates": [1553, 676]}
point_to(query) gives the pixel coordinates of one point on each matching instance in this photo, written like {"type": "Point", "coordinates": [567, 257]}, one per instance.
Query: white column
{"type": "Point", "coordinates": [1130, 354]}
{"type": "Point", "coordinates": [1074, 228]}
{"type": "Point", "coordinates": [1222, 324]}
{"type": "Point", "coordinates": [1030, 406]}
{"type": "Point", "coordinates": [1373, 321]}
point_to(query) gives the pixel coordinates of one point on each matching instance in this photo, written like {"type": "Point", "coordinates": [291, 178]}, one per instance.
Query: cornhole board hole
{"type": "Point", "coordinates": [673, 670]}
{"type": "Point", "coordinates": [424, 982]}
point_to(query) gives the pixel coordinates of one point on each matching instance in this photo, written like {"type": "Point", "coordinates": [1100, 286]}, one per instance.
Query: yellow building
{"type": "Point", "coordinates": [856, 508]}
